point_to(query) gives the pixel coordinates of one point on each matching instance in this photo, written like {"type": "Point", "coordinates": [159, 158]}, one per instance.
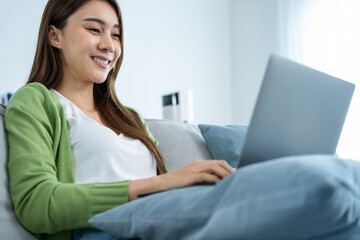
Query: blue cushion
{"type": "Point", "coordinates": [224, 142]}
{"type": "Point", "coordinates": [299, 197]}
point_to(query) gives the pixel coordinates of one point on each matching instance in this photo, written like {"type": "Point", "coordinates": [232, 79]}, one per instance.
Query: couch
{"type": "Point", "coordinates": [179, 143]}
{"type": "Point", "coordinates": [313, 197]}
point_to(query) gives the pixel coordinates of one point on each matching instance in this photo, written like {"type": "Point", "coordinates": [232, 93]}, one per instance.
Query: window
{"type": "Point", "coordinates": [325, 35]}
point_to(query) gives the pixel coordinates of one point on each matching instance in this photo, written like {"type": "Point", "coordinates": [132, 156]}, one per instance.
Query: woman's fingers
{"type": "Point", "coordinates": [218, 168]}
{"type": "Point", "coordinates": [225, 165]}
{"type": "Point", "coordinates": [208, 177]}
{"type": "Point", "coordinates": [219, 171]}
{"type": "Point", "coordinates": [196, 172]}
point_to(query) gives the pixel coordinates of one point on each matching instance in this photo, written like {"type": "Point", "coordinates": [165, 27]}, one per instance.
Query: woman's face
{"type": "Point", "coordinates": [90, 42]}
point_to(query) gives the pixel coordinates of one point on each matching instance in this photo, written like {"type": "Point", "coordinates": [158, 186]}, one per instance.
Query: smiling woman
{"type": "Point", "coordinates": [74, 149]}
{"type": "Point", "coordinates": [75, 152]}
{"type": "Point", "coordinates": [82, 43]}
{"type": "Point", "coordinates": [78, 56]}
{"type": "Point", "coordinates": [85, 41]}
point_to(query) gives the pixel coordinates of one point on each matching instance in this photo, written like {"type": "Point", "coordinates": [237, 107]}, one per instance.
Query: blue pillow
{"type": "Point", "coordinates": [299, 197]}
{"type": "Point", "coordinates": [224, 142]}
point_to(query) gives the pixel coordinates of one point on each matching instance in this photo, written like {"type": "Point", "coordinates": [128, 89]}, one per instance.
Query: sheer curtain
{"type": "Point", "coordinates": [325, 35]}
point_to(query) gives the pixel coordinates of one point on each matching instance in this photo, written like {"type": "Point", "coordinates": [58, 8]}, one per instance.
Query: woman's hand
{"type": "Point", "coordinates": [198, 171]}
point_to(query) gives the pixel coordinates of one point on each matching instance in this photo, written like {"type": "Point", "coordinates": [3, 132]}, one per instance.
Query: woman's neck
{"type": "Point", "coordinates": [80, 93]}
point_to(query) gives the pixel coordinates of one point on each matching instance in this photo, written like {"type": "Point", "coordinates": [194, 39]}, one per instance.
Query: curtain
{"type": "Point", "coordinates": [325, 35]}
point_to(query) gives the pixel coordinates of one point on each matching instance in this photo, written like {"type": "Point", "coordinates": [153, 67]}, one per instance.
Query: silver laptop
{"type": "Point", "coordinates": [298, 111]}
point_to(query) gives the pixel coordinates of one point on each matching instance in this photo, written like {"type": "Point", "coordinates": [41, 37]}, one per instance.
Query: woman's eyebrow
{"type": "Point", "coordinates": [99, 21]}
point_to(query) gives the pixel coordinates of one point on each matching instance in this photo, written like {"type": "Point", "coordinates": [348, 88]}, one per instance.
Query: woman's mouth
{"type": "Point", "coordinates": [101, 62]}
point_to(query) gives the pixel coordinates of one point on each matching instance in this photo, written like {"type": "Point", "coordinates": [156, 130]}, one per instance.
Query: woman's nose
{"type": "Point", "coordinates": [107, 43]}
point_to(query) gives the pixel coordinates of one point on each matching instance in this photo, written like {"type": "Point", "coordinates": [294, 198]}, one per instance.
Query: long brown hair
{"type": "Point", "coordinates": [47, 69]}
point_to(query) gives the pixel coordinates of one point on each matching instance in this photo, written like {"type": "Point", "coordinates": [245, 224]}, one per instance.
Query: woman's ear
{"type": "Point", "coordinates": [54, 37]}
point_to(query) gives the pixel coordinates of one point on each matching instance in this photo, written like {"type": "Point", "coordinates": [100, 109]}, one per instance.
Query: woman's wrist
{"type": "Point", "coordinates": [160, 182]}
{"type": "Point", "coordinates": [152, 184]}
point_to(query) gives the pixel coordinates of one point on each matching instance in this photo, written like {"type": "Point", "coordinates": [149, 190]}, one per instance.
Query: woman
{"type": "Point", "coordinates": [74, 150]}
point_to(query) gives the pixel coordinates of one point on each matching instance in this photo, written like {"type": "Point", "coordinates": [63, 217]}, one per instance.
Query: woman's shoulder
{"type": "Point", "coordinates": [31, 96]}
{"type": "Point", "coordinates": [32, 92]}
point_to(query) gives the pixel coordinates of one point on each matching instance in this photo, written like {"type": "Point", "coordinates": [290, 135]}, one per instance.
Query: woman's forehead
{"type": "Point", "coordinates": [96, 9]}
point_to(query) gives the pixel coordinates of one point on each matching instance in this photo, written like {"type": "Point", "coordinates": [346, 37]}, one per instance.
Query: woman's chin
{"type": "Point", "coordinates": [99, 80]}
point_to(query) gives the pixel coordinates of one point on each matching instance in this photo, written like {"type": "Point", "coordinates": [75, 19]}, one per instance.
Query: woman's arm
{"type": "Point", "coordinates": [42, 188]}
{"type": "Point", "coordinates": [196, 172]}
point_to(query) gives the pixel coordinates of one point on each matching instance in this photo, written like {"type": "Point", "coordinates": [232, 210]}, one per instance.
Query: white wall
{"type": "Point", "coordinates": [174, 45]}
{"type": "Point", "coordinates": [254, 36]}
{"type": "Point", "coordinates": [19, 25]}
{"type": "Point", "coordinates": [218, 48]}
{"type": "Point", "coordinates": [169, 46]}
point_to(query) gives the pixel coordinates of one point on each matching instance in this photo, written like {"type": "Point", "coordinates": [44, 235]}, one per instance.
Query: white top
{"type": "Point", "coordinates": [100, 155]}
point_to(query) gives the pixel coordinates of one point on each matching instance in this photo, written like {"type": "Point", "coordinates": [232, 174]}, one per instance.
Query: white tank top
{"type": "Point", "coordinates": [100, 155]}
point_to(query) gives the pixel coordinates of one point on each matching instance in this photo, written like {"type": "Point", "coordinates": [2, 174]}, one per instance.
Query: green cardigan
{"type": "Point", "coordinates": [41, 168]}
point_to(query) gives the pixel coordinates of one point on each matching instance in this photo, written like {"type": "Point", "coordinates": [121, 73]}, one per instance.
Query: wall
{"type": "Point", "coordinates": [174, 45]}
{"type": "Point", "coordinates": [169, 46]}
{"type": "Point", "coordinates": [254, 36]}
{"type": "Point", "coordinates": [218, 48]}
{"type": "Point", "coordinates": [19, 28]}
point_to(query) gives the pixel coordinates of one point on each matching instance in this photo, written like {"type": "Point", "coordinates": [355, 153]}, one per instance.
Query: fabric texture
{"type": "Point", "coordinates": [10, 228]}
{"type": "Point", "coordinates": [93, 234]}
{"type": "Point", "coordinates": [224, 142]}
{"type": "Point", "coordinates": [300, 197]}
{"type": "Point", "coordinates": [41, 172]}
{"type": "Point", "coordinates": [179, 143]}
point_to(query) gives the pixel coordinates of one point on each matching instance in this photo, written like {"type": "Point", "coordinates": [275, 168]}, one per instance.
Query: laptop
{"type": "Point", "coordinates": [299, 111]}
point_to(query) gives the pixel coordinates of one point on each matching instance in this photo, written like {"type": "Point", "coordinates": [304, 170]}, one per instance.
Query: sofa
{"type": "Point", "coordinates": [180, 144]}
{"type": "Point", "coordinates": [299, 197]}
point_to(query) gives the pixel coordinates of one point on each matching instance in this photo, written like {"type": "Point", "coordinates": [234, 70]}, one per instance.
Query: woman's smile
{"type": "Point", "coordinates": [102, 62]}
{"type": "Point", "coordinates": [91, 32]}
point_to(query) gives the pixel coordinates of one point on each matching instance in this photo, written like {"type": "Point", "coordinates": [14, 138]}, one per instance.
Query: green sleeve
{"type": "Point", "coordinates": [44, 201]}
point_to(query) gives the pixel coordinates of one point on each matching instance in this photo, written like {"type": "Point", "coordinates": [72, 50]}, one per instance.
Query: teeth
{"type": "Point", "coordinates": [100, 61]}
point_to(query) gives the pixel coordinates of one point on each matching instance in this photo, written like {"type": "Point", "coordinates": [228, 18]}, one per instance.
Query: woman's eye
{"type": "Point", "coordinates": [117, 36]}
{"type": "Point", "coordinates": [94, 30]}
